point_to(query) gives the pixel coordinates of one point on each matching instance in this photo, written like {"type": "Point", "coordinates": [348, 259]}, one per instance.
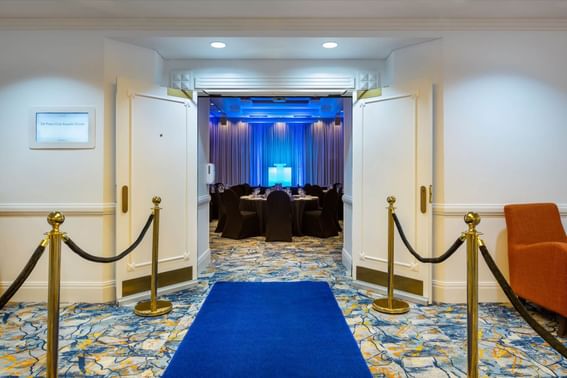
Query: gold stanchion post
{"type": "Point", "coordinates": [153, 307]}
{"type": "Point", "coordinates": [55, 219]}
{"type": "Point", "coordinates": [390, 305]}
{"type": "Point", "coordinates": [472, 220]}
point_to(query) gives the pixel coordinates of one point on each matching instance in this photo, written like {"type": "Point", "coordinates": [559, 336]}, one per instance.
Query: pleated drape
{"type": "Point", "coordinates": [242, 152]}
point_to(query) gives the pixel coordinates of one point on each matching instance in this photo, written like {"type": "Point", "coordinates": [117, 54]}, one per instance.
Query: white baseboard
{"type": "Point", "coordinates": [71, 291]}
{"type": "Point", "coordinates": [456, 292]}
{"type": "Point", "coordinates": [135, 298]}
{"type": "Point", "coordinates": [204, 261]}
{"type": "Point", "coordinates": [347, 261]}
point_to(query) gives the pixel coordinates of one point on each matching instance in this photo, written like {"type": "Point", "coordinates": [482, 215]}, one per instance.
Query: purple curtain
{"type": "Point", "coordinates": [242, 152]}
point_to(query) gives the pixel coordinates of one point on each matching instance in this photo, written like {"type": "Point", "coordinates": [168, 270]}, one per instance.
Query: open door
{"type": "Point", "coordinates": [392, 139]}
{"type": "Point", "coordinates": [156, 144]}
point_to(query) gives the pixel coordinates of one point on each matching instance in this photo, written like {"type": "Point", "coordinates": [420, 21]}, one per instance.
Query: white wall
{"type": "Point", "coordinates": [50, 69]}
{"type": "Point", "coordinates": [203, 197]}
{"type": "Point", "coordinates": [499, 136]}
{"type": "Point", "coordinates": [502, 140]}
{"type": "Point", "coordinates": [58, 69]}
{"type": "Point", "coordinates": [347, 185]}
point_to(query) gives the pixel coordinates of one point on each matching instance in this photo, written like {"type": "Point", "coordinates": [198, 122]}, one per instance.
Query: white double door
{"type": "Point", "coordinates": [392, 156]}
{"type": "Point", "coordinates": [156, 139]}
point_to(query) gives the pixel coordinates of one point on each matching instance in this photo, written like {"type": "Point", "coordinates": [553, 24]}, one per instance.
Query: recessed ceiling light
{"type": "Point", "coordinates": [218, 45]}
{"type": "Point", "coordinates": [330, 45]}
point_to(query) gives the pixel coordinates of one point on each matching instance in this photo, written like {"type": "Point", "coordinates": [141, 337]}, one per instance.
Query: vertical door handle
{"type": "Point", "coordinates": [125, 199]}
{"type": "Point", "coordinates": [423, 197]}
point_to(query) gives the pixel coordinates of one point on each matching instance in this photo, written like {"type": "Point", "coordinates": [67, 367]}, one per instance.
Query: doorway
{"type": "Point", "coordinates": [295, 143]}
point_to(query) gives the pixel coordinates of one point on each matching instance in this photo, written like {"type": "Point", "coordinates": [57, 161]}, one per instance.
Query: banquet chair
{"type": "Point", "coordinates": [317, 191]}
{"type": "Point", "coordinates": [322, 223]}
{"type": "Point", "coordinates": [213, 204]}
{"type": "Point", "coordinates": [537, 256]}
{"type": "Point", "coordinates": [278, 219]}
{"type": "Point", "coordinates": [218, 189]}
{"type": "Point", "coordinates": [247, 189]}
{"type": "Point", "coordinates": [239, 224]}
{"type": "Point", "coordinates": [338, 187]}
{"type": "Point", "coordinates": [221, 212]}
{"type": "Point", "coordinates": [238, 189]}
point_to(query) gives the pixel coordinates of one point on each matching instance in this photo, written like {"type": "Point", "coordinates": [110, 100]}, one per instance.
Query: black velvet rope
{"type": "Point", "coordinates": [23, 276]}
{"type": "Point", "coordinates": [548, 337]}
{"type": "Point", "coordinates": [87, 256]}
{"type": "Point", "coordinates": [433, 260]}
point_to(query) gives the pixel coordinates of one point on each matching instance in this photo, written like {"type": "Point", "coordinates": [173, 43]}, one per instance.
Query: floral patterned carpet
{"type": "Point", "coordinates": [430, 341]}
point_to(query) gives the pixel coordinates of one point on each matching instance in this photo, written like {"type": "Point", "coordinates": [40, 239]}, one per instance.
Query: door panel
{"type": "Point", "coordinates": [159, 167]}
{"type": "Point", "coordinates": [392, 157]}
{"type": "Point", "coordinates": [155, 134]}
{"type": "Point", "coordinates": [389, 153]}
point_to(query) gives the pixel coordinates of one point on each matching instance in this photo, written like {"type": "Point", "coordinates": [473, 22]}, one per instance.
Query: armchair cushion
{"type": "Point", "coordinates": [537, 254]}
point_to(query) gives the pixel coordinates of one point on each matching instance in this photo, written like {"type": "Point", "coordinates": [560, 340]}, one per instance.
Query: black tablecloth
{"type": "Point", "coordinates": [298, 207]}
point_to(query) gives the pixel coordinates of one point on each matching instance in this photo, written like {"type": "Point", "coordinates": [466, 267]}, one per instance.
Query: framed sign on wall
{"type": "Point", "coordinates": [62, 128]}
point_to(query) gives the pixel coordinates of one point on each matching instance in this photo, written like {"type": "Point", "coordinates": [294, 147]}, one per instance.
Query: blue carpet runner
{"type": "Point", "coordinates": [269, 329]}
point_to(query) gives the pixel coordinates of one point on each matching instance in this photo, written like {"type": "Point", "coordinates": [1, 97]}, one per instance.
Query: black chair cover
{"type": "Point", "coordinates": [317, 191]}
{"type": "Point", "coordinates": [239, 224]}
{"type": "Point", "coordinates": [323, 223]}
{"type": "Point", "coordinates": [222, 213]}
{"type": "Point", "coordinates": [238, 189]}
{"type": "Point", "coordinates": [278, 225]}
{"type": "Point", "coordinates": [213, 205]}
{"type": "Point", "coordinates": [247, 189]}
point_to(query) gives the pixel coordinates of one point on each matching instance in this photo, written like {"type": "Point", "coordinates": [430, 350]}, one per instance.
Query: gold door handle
{"type": "Point", "coordinates": [423, 197]}
{"type": "Point", "coordinates": [125, 199]}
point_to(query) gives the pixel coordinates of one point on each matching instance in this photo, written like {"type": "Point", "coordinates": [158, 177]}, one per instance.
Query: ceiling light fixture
{"type": "Point", "coordinates": [218, 45]}
{"type": "Point", "coordinates": [330, 45]}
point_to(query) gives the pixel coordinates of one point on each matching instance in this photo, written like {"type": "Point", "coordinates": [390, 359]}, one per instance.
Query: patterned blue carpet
{"type": "Point", "coordinates": [429, 341]}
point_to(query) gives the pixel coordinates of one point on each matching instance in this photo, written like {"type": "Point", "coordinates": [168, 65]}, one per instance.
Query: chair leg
{"type": "Point", "coordinates": [562, 331]}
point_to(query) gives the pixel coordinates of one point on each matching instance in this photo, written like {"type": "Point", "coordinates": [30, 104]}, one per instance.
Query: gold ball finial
{"type": "Point", "coordinates": [55, 218]}
{"type": "Point", "coordinates": [156, 200]}
{"type": "Point", "coordinates": [472, 218]}
{"type": "Point", "coordinates": [391, 200]}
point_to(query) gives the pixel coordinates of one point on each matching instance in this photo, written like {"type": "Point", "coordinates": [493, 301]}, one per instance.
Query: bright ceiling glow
{"type": "Point", "coordinates": [218, 45]}
{"type": "Point", "coordinates": [330, 45]}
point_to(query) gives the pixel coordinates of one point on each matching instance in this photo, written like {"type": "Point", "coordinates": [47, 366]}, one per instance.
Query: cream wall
{"type": "Point", "coordinates": [499, 136]}
{"type": "Point", "coordinates": [61, 69]}
{"type": "Point", "coordinates": [501, 139]}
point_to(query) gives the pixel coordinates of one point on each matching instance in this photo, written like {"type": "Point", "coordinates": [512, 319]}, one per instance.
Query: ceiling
{"type": "Point", "coordinates": [272, 48]}
{"type": "Point", "coordinates": [289, 109]}
{"type": "Point", "coordinates": [283, 8]}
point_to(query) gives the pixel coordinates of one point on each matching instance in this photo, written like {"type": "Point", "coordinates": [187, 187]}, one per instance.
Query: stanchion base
{"type": "Point", "coordinates": [398, 306]}
{"type": "Point", "coordinates": [144, 308]}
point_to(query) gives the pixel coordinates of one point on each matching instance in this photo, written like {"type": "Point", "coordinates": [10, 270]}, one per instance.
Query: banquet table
{"type": "Point", "coordinates": [299, 205]}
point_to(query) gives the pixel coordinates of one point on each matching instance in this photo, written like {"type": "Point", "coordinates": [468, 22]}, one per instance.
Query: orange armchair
{"type": "Point", "coordinates": [537, 256]}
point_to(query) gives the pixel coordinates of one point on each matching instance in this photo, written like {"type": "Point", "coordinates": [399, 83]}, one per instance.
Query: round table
{"type": "Point", "coordinates": [298, 206]}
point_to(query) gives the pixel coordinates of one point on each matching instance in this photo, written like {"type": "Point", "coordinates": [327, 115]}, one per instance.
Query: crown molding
{"type": "Point", "coordinates": [278, 26]}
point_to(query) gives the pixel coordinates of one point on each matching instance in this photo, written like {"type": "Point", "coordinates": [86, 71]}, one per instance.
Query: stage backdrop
{"type": "Point", "coordinates": [242, 151]}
